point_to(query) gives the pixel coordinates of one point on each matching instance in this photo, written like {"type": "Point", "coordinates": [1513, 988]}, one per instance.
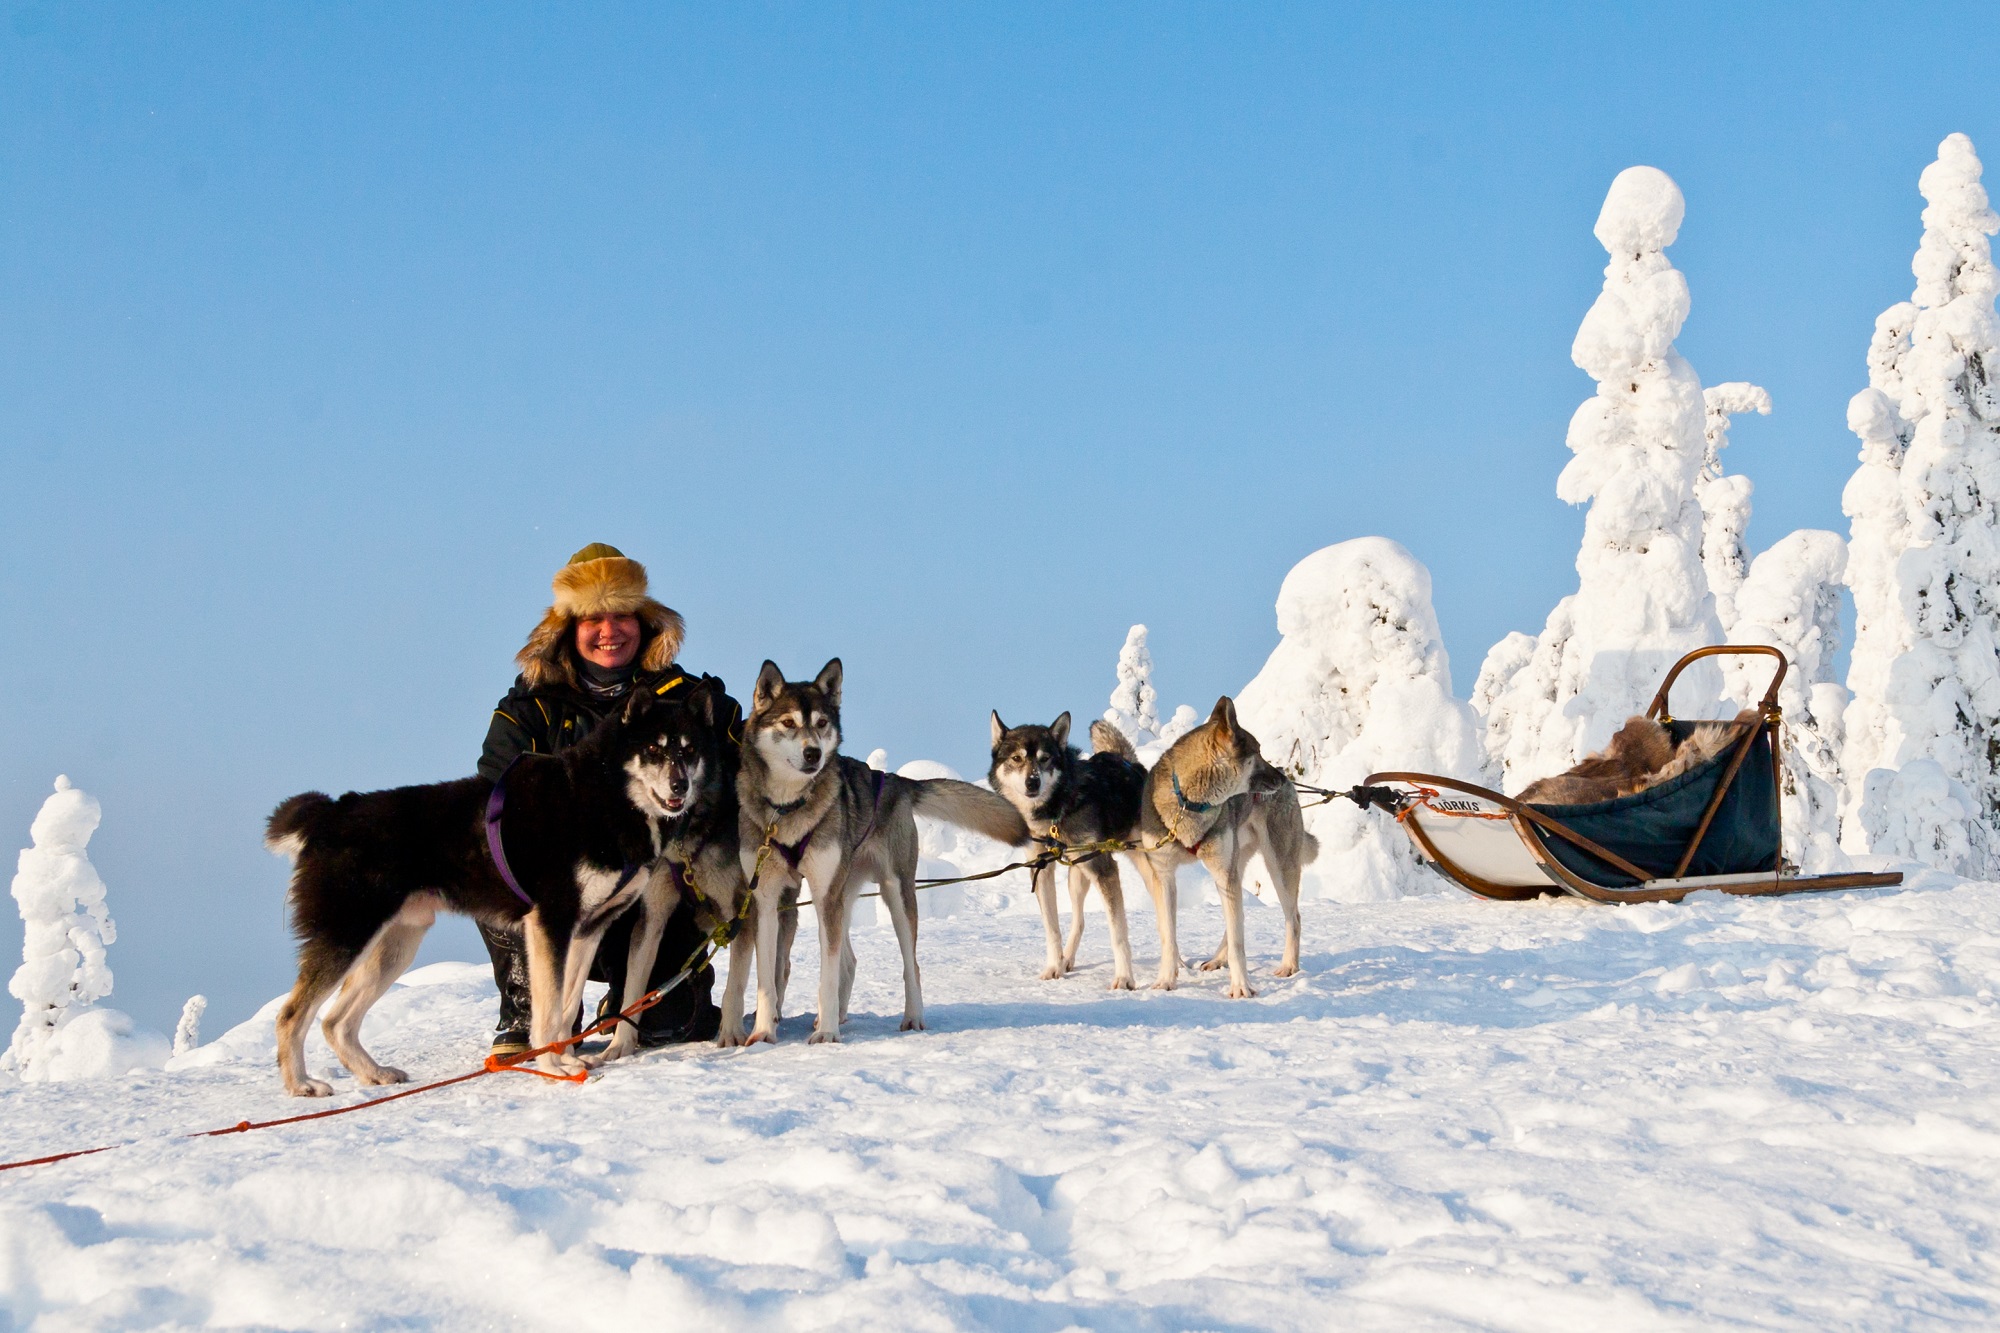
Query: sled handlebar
{"type": "Point", "coordinates": [1770, 700]}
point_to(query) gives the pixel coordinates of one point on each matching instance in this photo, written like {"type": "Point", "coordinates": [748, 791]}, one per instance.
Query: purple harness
{"type": "Point", "coordinates": [795, 852]}
{"type": "Point", "coordinates": [496, 805]}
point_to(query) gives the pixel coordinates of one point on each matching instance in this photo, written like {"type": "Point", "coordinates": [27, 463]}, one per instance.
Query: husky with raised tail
{"type": "Point", "coordinates": [1072, 801]}
{"type": "Point", "coordinates": [581, 834]}
{"type": "Point", "coordinates": [811, 814]}
{"type": "Point", "coordinates": [1212, 797]}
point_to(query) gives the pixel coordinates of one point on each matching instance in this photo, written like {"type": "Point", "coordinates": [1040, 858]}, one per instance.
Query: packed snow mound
{"type": "Point", "coordinates": [1773, 1113]}
{"type": "Point", "coordinates": [1360, 683]}
{"type": "Point", "coordinates": [1925, 507]}
{"type": "Point", "coordinates": [1134, 703]}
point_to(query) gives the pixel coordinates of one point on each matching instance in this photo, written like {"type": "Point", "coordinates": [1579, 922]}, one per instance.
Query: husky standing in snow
{"type": "Point", "coordinates": [1213, 798]}
{"type": "Point", "coordinates": [810, 813]}
{"type": "Point", "coordinates": [1074, 801]}
{"type": "Point", "coordinates": [581, 835]}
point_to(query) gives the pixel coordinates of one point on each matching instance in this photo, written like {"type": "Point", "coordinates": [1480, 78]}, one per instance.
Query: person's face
{"type": "Point", "coordinates": [607, 641]}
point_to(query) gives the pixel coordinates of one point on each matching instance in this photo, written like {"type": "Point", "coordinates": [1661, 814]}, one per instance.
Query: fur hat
{"type": "Point", "coordinates": [599, 580]}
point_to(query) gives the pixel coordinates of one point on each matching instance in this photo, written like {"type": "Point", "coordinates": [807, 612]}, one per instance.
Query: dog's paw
{"type": "Point", "coordinates": [913, 1025]}
{"type": "Point", "coordinates": [1242, 992]}
{"type": "Point", "coordinates": [821, 1036]}
{"type": "Point", "coordinates": [382, 1075]}
{"type": "Point", "coordinates": [1285, 970]}
{"type": "Point", "coordinates": [1166, 983]}
{"type": "Point", "coordinates": [1121, 983]}
{"type": "Point", "coordinates": [1053, 972]}
{"type": "Point", "coordinates": [311, 1087]}
{"type": "Point", "coordinates": [761, 1034]}
{"type": "Point", "coordinates": [562, 1064]}
{"type": "Point", "coordinates": [1210, 964]}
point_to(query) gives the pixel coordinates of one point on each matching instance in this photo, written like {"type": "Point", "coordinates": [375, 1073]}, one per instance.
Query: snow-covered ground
{"type": "Point", "coordinates": [1779, 1114]}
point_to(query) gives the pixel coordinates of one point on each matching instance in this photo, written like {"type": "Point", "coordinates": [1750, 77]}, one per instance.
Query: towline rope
{"type": "Point", "coordinates": [516, 1064]}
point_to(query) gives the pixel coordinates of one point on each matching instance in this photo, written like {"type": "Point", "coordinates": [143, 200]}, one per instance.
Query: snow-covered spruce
{"type": "Point", "coordinates": [1925, 549]}
{"type": "Point", "coordinates": [1133, 707]}
{"type": "Point", "coordinates": [1642, 599]}
{"type": "Point", "coordinates": [1359, 683]}
{"type": "Point", "coordinates": [63, 973]}
{"type": "Point", "coordinates": [1790, 600]}
{"type": "Point", "coordinates": [1725, 496]}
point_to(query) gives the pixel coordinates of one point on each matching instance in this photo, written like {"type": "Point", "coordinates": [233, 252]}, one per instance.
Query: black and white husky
{"type": "Point", "coordinates": [583, 835]}
{"type": "Point", "coordinates": [811, 814]}
{"type": "Point", "coordinates": [1074, 801]}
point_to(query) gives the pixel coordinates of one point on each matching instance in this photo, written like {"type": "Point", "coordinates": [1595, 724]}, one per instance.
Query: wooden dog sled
{"type": "Point", "coordinates": [1714, 826]}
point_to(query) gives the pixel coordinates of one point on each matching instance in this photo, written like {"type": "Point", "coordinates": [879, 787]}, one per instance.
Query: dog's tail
{"type": "Point", "coordinates": [285, 834]}
{"type": "Point", "coordinates": [1107, 739]}
{"type": "Point", "coordinates": [969, 807]}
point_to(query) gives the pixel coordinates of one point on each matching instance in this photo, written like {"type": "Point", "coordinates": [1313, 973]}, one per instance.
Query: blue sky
{"type": "Point", "coordinates": [949, 340]}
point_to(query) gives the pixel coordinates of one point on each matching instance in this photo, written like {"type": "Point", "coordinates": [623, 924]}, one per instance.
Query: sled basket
{"type": "Point", "coordinates": [1715, 826]}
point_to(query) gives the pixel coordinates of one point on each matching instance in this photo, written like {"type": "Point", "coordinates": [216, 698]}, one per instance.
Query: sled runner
{"type": "Point", "coordinates": [1713, 826]}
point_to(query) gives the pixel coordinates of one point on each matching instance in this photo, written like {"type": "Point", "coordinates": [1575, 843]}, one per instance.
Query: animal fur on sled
{"type": "Point", "coordinates": [1643, 754]}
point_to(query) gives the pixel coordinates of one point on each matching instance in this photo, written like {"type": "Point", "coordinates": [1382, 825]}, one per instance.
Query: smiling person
{"type": "Point", "coordinates": [603, 639]}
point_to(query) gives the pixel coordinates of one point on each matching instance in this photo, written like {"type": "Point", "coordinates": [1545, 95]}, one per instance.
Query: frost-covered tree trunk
{"type": "Point", "coordinates": [1791, 600]}
{"type": "Point", "coordinates": [1725, 497]}
{"type": "Point", "coordinates": [1642, 599]}
{"type": "Point", "coordinates": [1133, 701]}
{"type": "Point", "coordinates": [67, 927]}
{"type": "Point", "coordinates": [1922, 759]}
{"type": "Point", "coordinates": [1359, 683]}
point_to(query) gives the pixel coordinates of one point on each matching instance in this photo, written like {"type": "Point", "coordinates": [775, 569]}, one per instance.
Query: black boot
{"type": "Point", "coordinates": [510, 974]}
{"type": "Point", "coordinates": [685, 1013]}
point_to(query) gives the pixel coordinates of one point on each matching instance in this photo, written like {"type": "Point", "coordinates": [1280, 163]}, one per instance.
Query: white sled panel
{"type": "Point", "coordinates": [1487, 848]}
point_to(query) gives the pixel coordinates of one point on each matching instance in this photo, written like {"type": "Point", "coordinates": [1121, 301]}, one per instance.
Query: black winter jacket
{"type": "Point", "coordinates": [552, 718]}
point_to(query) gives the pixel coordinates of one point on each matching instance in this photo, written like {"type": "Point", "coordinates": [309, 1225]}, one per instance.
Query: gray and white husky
{"type": "Point", "coordinates": [1212, 797]}
{"type": "Point", "coordinates": [1075, 802]}
{"type": "Point", "coordinates": [809, 814]}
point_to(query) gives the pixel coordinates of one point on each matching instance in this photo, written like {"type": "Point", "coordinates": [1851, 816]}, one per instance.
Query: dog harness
{"type": "Point", "coordinates": [496, 805]}
{"type": "Point", "coordinates": [795, 852]}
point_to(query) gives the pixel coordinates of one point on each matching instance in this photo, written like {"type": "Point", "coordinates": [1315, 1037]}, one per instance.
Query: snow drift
{"type": "Point", "coordinates": [1359, 682]}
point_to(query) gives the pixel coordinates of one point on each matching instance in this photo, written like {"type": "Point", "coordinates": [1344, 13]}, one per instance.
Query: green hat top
{"type": "Point", "coordinates": [597, 551]}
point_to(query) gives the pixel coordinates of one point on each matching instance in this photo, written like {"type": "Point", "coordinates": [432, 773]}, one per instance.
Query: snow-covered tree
{"type": "Point", "coordinates": [1925, 548]}
{"type": "Point", "coordinates": [1133, 702]}
{"type": "Point", "coordinates": [62, 972]}
{"type": "Point", "coordinates": [1642, 599]}
{"type": "Point", "coordinates": [1725, 496]}
{"type": "Point", "coordinates": [1359, 682]}
{"type": "Point", "coordinates": [1791, 601]}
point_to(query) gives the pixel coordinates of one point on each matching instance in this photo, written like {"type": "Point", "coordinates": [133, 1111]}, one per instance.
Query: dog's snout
{"type": "Point", "coordinates": [1033, 784]}
{"type": "Point", "coordinates": [812, 755]}
{"type": "Point", "coordinates": [678, 784]}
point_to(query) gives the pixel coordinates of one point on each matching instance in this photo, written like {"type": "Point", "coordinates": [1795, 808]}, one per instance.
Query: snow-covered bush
{"type": "Point", "coordinates": [1925, 565]}
{"type": "Point", "coordinates": [1642, 599]}
{"type": "Point", "coordinates": [1725, 496]}
{"type": "Point", "coordinates": [1359, 683]}
{"type": "Point", "coordinates": [63, 973]}
{"type": "Point", "coordinates": [1791, 600]}
{"type": "Point", "coordinates": [1134, 708]}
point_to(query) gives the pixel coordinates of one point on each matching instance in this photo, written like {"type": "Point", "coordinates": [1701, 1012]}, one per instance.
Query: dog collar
{"type": "Point", "coordinates": [1192, 807]}
{"type": "Point", "coordinates": [785, 808]}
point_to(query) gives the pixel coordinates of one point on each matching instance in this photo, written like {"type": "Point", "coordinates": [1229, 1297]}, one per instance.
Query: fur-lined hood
{"type": "Point", "coordinates": [601, 585]}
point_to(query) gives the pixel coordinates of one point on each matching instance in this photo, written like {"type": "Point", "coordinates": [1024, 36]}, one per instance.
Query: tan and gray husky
{"type": "Point", "coordinates": [1213, 798]}
{"type": "Point", "coordinates": [811, 814]}
{"type": "Point", "coordinates": [1075, 801]}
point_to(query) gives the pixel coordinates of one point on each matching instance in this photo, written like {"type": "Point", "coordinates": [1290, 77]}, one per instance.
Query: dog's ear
{"type": "Point", "coordinates": [828, 681]}
{"type": "Point", "coordinates": [1223, 715]}
{"type": "Point", "coordinates": [636, 703]}
{"type": "Point", "coordinates": [770, 681]}
{"type": "Point", "coordinates": [702, 700]}
{"type": "Point", "coordinates": [999, 728]}
{"type": "Point", "coordinates": [1061, 729]}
